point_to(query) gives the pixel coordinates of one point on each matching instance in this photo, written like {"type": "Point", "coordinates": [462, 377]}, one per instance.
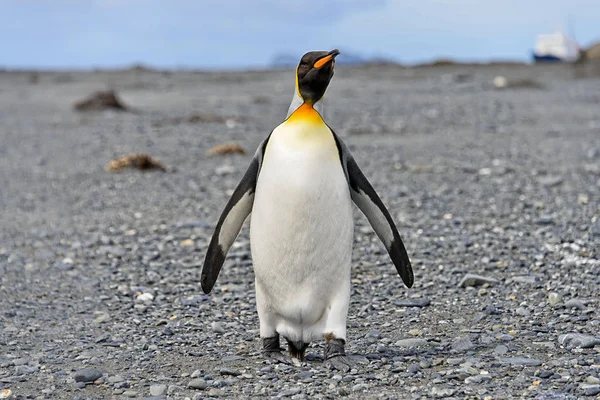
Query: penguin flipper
{"type": "Point", "coordinates": [365, 197]}
{"type": "Point", "coordinates": [231, 221]}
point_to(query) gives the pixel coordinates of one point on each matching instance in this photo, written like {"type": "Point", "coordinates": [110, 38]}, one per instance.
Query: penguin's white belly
{"type": "Point", "coordinates": [301, 236]}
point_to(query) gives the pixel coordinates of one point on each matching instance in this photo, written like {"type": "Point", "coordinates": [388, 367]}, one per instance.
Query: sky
{"type": "Point", "coordinates": [238, 34]}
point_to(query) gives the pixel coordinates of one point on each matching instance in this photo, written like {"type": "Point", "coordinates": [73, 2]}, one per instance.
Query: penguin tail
{"type": "Point", "coordinates": [297, 349]}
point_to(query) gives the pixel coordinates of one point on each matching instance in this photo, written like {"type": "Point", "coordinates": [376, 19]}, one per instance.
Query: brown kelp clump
{"type": "Point", "coordinates": [139, 161]}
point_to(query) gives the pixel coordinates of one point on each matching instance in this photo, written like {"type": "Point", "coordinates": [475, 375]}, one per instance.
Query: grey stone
{"type": "Point", "coordinates": [87, 375]}
{"type": "Point", "coordinates": [290, 392]}
{"type": "Point", "coordinates": [158, 390]}
{"type": "Point", "coordinates": [462, 344]}
{"type": "Point", "coordinates": [501, 349]}
{"type": "Point", "coordinates": [529, 362]}
{"type": "Point", "coordinates": [412, 343]}
{"type": "Point", "coordinates": [477, 379]}
{"type": "Point", "coordinates": [229, 372]}
{"type": "Point", "coordinates": [554, 298]}
{"type": "Point", "coordinates": [359, 387]}
{"type": "Point", "coordinates": [440, 393]}
{"type": "Point", "coordinates": [591, 390]}
{"type": "Point", "coordinates": [476, 280]}
{"type": "Point", "coordinates": [217, 327]}
{"type": "Point", "coordinates": [198, 384]}
{"type": "Point", "coordinates": [575, 303]}
{"type": "Point", "coordinates": [417, 302]}
{"type": "Point", "coordinates": [578, 340]}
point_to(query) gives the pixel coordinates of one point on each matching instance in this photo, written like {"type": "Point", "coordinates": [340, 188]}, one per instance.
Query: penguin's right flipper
{"type": "Point", "coordinates": [230, 223]}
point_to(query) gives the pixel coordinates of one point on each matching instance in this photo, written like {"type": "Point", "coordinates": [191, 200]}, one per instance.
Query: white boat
{"type": "Point", "coordinates": [555, 47]}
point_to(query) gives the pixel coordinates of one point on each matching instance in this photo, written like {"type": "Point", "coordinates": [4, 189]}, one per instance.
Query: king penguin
{"type": "Point", "coordinates": [299, 187]}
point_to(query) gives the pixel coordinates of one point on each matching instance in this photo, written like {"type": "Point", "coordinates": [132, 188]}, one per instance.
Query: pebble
{"type": "Point", "coordinates": [290, 392]}
{"type": "Point", "coordinates": [229, 372]}
{"type": "Point", "coordinates": [522, 311]}
{"type": "Point", "coordinates": [575, 303]}
{"type": "Point", "coordinates": [411, 343]}
{"type": "Point", "coordinates": [158, 390]}
{"type": "Point", "coordinates": [501, 349]}
{"type": "Point", "coordinates": [359, 387]}
{"type": "Point", "coordinates": [591, 390]}
{"type": "Point", "coordinates": [87, 375]}
{"type": "Point", "coordinates": [418, 302]}
{"type": "Point", "coordinates": [592, 380]}
{"type": "Point", "coordinates": [198, 384]}
{"type": "Point", "coordinates": [554, 298]}
{"type": "Point", "coordinates": [217, 327]}
{"type": "Point", "coordinates": [439, 392]}
{"type": "Point", "coordinates": [529, 362]}
{"type": "Point", "coordinates": [130, 393]}
{"type": "Point", "coordinates": [477, 379]}
{"type": "Point", "coordinates": [462, 344]}
{"type": "Point", "coordinates": [145, 297]}
{"type": "Point", "coordinates": [476, 280]}
{"type": "Point", "coordinates": [578, 340]}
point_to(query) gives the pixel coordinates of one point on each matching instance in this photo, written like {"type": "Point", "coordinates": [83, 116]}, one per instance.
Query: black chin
{"type": "Point", "coordinates": [314, 84]}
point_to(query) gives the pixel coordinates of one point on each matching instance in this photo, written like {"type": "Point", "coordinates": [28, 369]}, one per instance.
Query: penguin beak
{"type": "Point", "coordinates": [329, 57]}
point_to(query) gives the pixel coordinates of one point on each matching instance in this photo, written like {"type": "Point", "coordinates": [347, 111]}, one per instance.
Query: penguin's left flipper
{"type": "Point", "coordinates": [365, 197]}
{"type": "Point", "coordinates": [230, 223]}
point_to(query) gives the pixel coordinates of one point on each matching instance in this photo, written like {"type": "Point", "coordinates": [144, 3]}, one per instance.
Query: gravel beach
{"type": "Point", "coordinates": [494, 191]}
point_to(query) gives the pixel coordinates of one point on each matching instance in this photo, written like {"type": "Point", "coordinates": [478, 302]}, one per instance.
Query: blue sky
{"type": "Point", "coordinates": [249, 33]}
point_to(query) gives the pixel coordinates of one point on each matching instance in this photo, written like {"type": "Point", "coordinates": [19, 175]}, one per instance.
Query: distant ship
{"type": "Point", "coordinates": [555, 47]}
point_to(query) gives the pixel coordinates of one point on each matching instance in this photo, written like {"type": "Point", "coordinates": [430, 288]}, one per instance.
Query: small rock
{"type": "Point", "coordinates": [373, 334]}
{"type": "Point", "coordinates": [158, 390]}
{"type": "Point", "coordinates": [87, 375]}
{"type": "Point", "coordinates": [501, 349]}
{"type": "Point", "coordinates": [229, 372]}
{"type": "Point", "coordinates": [544, 374]}
{"type": "Point", "coordinates": [462, 344]}
{"type": "Point", "coordinates": [500, 82]}
{"type": "Point", "coordinates": [550, 180]}
{"type": "Point", "coordinates": [523, 279]}
{"type": "Point", "coordinates": [477, 379]}
{"type": "Point", "coordinates": [544, 220]}
{"type": "Point", "coordinates": [439, 392]}
{"type": "Point", "coordinates": [522, 311]}
{"type": "Point", "coordinates": [5, 393]}
{"type": "Point", "coordinates": [198, 384]}
{"type": "Point", "coordinates": [554, 298]}
{"type": "Point", "coordinates": [290, 392]}
{"type": "Point", "coordinates": [592, 380]}
{"type": "Point", "coordinates": [25, 370]}
{"type": "Point", "coordinates": [575, 303]}
{"type": "Point", "coordinates": [419, 302]}
{"type": "Point", "coordinates": [476, 280]}
{"type": "Point", "coordinates": [529, 362]}
{"type": "Point", "coordinates": [217, 327]}
{"type": "Point", "coordinates": [578, 340]}
{"type": "Point", "coordinates": [145, 297]}
{"type": "Point", "coordinates": [411, 343]}
{"type": "Point", "coordinates": [130, 393]}
{"type": "Point", "coordinates": [591, 390]}
{"type": "Point", "coordinates": [359, 387]}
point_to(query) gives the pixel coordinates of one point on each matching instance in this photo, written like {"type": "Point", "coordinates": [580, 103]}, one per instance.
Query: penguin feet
{"type": "Point", "coordinates": [272, 351]}
{"type": "Point", "coordinates": [336, 358]}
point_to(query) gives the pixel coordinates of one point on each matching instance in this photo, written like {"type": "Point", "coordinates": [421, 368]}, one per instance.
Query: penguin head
{"type": "Point", "coordinates": [314, 73]}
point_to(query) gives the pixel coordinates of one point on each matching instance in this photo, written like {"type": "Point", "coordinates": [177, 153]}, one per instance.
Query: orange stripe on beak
{"type": "Point", "coordinates": [323, 61]}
